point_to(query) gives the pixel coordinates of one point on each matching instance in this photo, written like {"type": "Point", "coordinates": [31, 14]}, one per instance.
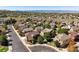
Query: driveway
{"type": "Point", "coordinates": [17, 45]}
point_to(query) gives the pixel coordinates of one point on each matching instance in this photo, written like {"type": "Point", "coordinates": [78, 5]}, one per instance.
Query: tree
{"type": "Point", "coordinates": [28, 20]}
{"type": "Point", "coordinates": [62, 17]}
{"type": "Point", "coordinates": [40, 39]}
{"type": "Point", "coordinates": [12, 21]}
{"type": "Point", "coordinates": [62, 30]}
{"type": "Point", "coordinates": [46, 26]}
{"type": "Point", "coordinates": [53, 33]}
{"type": "Point", "coordinates": [35, 39]}
{"type": "Point", "coordinates": [57, 43]}
{"type": "Point", "coordinates": [47, 36]}
{"type": "Point", "coordinates": [3, 40]}
{"type": "Point", "coordinates": [45, 41]}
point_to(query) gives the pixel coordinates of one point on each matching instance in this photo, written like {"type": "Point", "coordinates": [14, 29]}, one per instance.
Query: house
{"type": "Point", "coordinates": [39, 29]}
{"type": "Point", "coordinates": [66, 27]}
{"type": "Point", "coordinates": [27, 30]}
{"type": "Point", "coordinates": [74, 36]}
{"type": "Point", "coordinates": [62, 38]}
{"type": "Point", "coordinates": [30, 35]}
{"type": "Point", "coordinates": [74, 28]}
{"type": "Point", "coordinates": [18, 25]}
{"type": "Point", "coordinates": [21, 27]}
{"type": "Point", "coordinates": [53, 24]}
{"type": "Point", "coordinates": [45, 30]}
{"type": "Point", "coordinates": [63, 24]}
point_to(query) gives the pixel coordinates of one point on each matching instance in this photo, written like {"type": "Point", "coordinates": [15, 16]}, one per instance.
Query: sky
{"type": "Point", "coordinates": [23, 8]}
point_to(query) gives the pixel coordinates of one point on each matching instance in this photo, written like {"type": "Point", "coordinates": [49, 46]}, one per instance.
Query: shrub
{"type": "Point", "coordinates": [46, 26]}
{"type": "Point", "coordinates": [47, 36]}
{"type": "Point", "coordinates": [40, 39]}
{"type": "Point", "coordinates": [34, 41]}
{"type": "Point", "coordinates": [57, 44]}
{"type": "Point", "coordinates": [62, 30]}
{"type": "Point", "coordinates": [3, 40]}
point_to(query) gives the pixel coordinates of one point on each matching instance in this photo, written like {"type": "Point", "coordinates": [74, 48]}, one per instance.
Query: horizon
{"type": "Point", "coordinates": [23, 8]}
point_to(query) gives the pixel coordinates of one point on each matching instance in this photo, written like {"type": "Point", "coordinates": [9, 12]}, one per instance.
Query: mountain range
{"type": "Point", "coordinates": [51, 11]}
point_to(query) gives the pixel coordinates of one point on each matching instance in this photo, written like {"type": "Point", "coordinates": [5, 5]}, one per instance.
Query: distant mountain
{"type": "Point", "coordinates": [50, 11]}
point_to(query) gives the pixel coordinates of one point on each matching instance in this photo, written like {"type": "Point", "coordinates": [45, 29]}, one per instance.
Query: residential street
{"type": "Point", "coordinates": [17, 45]}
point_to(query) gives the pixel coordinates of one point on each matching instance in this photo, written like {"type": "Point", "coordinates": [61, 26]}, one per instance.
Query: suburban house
{"type": "Point", "coordinates": [45, 30]}
{"type": "Point", "coordinates": [74, 28]}
{"type": "Point", "coordinates": [39, 29]}
{"type": "Point", "coordinates": [27, 30]}
{"type": "Point", "coordinates": [74, 36]}
{"type": "Point", "coordinates": [62, 38]}
{"type": "Point", "coordinates": [53, 24]}
{"type": "Point", "coordinates": [30, 35]}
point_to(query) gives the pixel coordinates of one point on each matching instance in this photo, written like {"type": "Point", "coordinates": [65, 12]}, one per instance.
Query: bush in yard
{"type": "Point", "coordinates": [57, 43]}
{"type": "Point", "coordinates": [45, 41]}
{"type": "Point", "coordinates": [34, 41]}
{"type": "Point", "coordinates": [46, 26]}
{"type": "Point", "coordinates": [62, 30]}
{"type": "Point", "coordinates": [40, 39]}
{"type": "Point", "coordinates": [3, 40]}
{"type": "Point", "coordinates": [47, 36]}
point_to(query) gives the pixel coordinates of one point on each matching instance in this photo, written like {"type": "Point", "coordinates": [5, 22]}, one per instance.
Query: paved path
{"type": "Point", "coordinates": [17, 45]}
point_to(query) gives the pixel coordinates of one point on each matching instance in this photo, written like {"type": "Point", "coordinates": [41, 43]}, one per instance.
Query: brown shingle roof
{"type": "Point", "coordinates": [30, 35]}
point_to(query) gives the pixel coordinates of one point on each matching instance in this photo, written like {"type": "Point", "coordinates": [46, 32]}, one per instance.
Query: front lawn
{"type": "Point", "coordinates": [3, 48]}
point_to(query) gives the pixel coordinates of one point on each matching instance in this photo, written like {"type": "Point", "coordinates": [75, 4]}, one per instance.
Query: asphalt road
{"type": "Point", "coordinates": [42, 49]}
{"type": "Point", "coordinates": [17, 45]}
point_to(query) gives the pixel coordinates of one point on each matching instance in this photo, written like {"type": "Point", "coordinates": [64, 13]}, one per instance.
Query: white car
{"type": "Point", "coordinates": [8, 38]}
{"type": "Point", "coordinates": [8, 35]}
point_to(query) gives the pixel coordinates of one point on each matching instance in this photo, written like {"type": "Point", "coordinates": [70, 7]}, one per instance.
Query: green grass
{"type": "Point", "coordinates": [3, 49]}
